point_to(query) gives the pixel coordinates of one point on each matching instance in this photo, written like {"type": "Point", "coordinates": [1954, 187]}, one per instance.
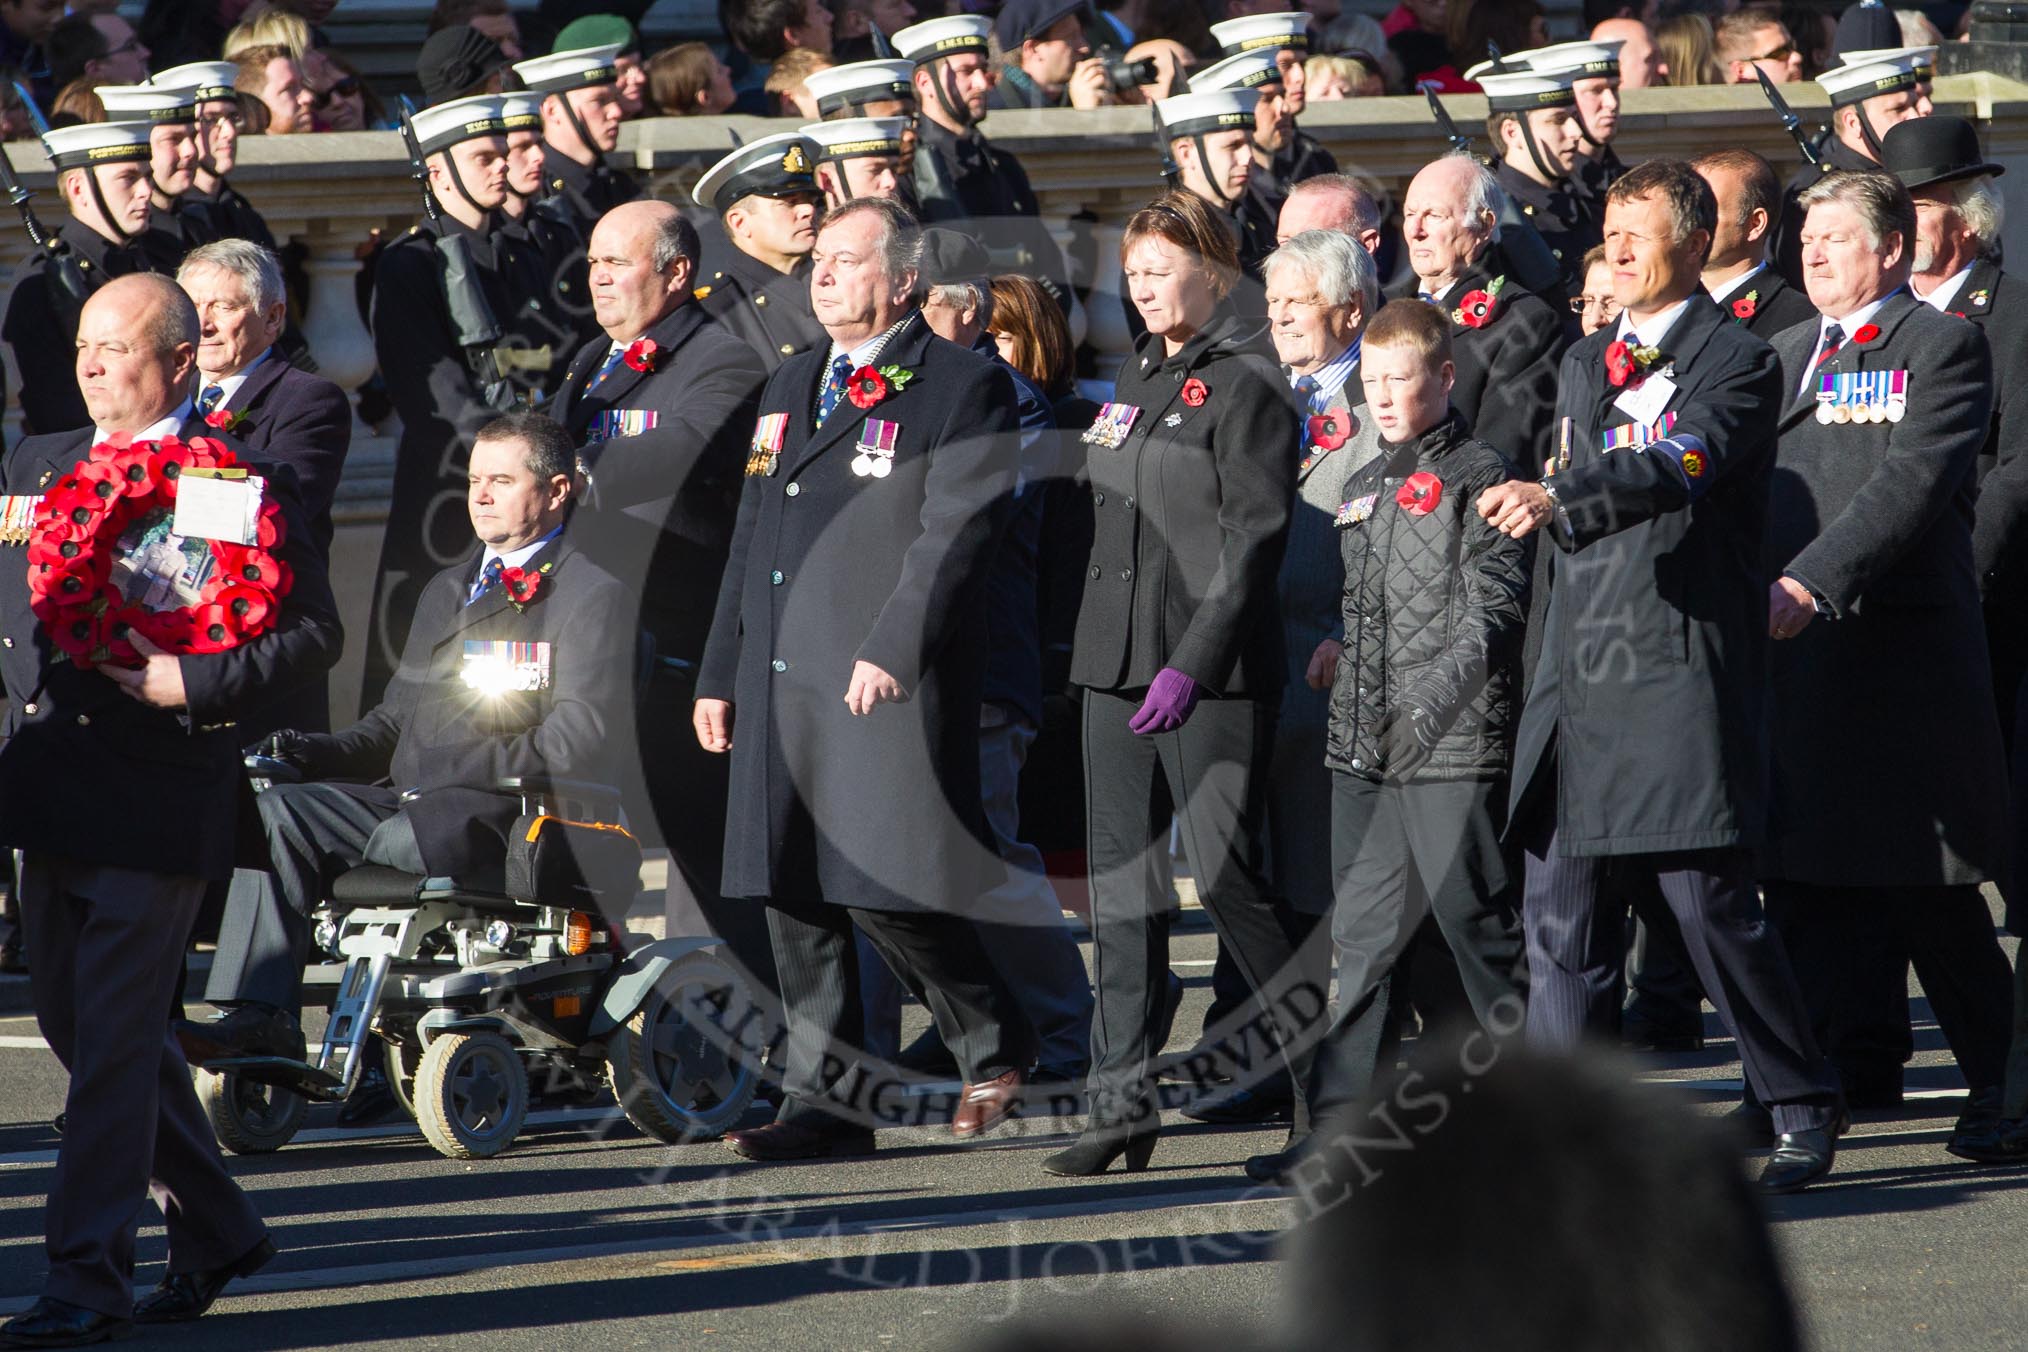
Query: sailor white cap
{"type": "Point", "coordinates": [446, 124]}
{"type": "Point", "coordinates": [1288, 28]}
{"type": "Point", "coordinates": [1209, 110]}
{"type": "Point", "coordinates": [579, 69]}
{"type": "Point", "coordinates": [206, 79]}
{"type": "Point", "coordinates": [1880, 70]}
{"type": "Point", "coordinates": [1248, 70]}
{"type": "Point", "coordinates": [87, 143]}
{"type": "Point", "coordinates": [851, 86]}
{"type": "Point", "coordinates": [949, 36]}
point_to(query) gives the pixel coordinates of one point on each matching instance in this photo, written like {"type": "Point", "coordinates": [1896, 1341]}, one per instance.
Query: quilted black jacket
{"type": "Point", "coordinates": [1435, 603]}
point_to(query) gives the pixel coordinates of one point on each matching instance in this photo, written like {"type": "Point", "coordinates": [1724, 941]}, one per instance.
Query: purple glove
{"type": "Point", "coordinates": [1171, 700]}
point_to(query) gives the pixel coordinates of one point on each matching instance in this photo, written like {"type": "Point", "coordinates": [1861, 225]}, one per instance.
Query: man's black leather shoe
{"type": "Point", "coordinates": [1268, 1102]}
{"type": "Point", "coordinates": [245, 1030]}
{"type": "Point", "coordinates": [1800, 1158]}
{"type": "Point", "coordinates": [58, 1323]}
{"type": "Point", "coordinates": [1279, 1166]}
{"type": "Point", "coordinates": [1999, 1143]}
{"type": "Point", "coordinates": [182, 1296]}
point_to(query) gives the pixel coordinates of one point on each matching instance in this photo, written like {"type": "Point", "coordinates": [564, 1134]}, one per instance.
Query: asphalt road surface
{"type": "Point", "coordinates": [587, 1234]}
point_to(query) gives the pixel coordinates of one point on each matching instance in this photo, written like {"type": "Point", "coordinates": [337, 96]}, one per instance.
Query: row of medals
{"type": "Point", "coordinates": [1892, 411]}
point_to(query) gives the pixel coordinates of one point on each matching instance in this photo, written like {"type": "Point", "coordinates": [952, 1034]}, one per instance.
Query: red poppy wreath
{"type": "Point", "coordinates": [103, 564]}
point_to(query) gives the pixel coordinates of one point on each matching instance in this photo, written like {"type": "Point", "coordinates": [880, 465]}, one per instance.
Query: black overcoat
{"type": "Point", "coordinates": [300, 420]}
{"type": "Point", "coordinates": [1191, 518]}
{"type": "Point", "coordinates": [829, 567]}
{"type": "Point", "coordinates": [1887, 761]}
{"type": "Point", "coordinates": [666, 448]}
{"type": "Point", "coordinates": [1642, 730]}
{"type": "Point", "coordinates": [435, 733]}
{"type": "Point", "coordinates": [768, 310]}
{"type": "Point", "coordinates": [87, 772]}
{"type": "Point", "coordinates": [1775, 304]}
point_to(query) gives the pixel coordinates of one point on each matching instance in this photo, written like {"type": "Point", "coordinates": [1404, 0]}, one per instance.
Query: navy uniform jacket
{"type": "Point", "coordinates": [1788, 253]}
{"type": "Point", "coordinates": [963, 183]}
{"type": "Point", "coordinates": [1559, 216]}
{"type": "Point", "coordinates": [227, 215]}
{"type": "Point", "coordinates": [589, 192]}
{"type": "Point", "coordinates": [172, 234]}
{"type": "Point", "coordinates": [829, 567]}
{"type": "Point", "coordinates": [45, 345]}
{"type": "Point", "coordinates": [768, 310]}
{"type": "Point", "coordinates": [89, 773]}
{"type": "Point", "coordinates": [1191, 516]}
{"type": "Point", "coordinates": [1643, 727]}
{"type": "Point", "coordinates": [666, 449]}
{"type": "Point", "coordinates": [1506, 368]}
{"type": "Point", "coordinates": [435, 733]}
{"type": "Point", "coordinates": [442, 403]}
{"type": "Point", "coordinates": [1887, 761]}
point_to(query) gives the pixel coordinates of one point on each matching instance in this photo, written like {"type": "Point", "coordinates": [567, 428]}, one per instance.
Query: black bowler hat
{"type": "Point", "coordinates": [1927, 150]}
{"type": "Point", "coordinates": [949, 258]}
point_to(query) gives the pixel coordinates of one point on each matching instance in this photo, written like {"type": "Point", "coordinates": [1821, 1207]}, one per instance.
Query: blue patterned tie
{"type": "Point", "coordinates": [1307, 387]}
{"type": "Point", "coordinates": [612, 361]}
{"type": "Point", "coordinates": [209, 398]}
{"type": "Point", "coordinates": [489, 578]}
{"type": "Point", "coordinates": [834, 387]}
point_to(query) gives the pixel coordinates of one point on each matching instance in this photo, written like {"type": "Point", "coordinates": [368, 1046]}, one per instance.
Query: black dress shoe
{"type": "Point", "coordinates": [182, 1296]}
{"type": "Point", "coordinates": [244, 1030]}
{"type": "Point", "coordinates": [1982, 1112]}
{"type": "Point", "coordinates": [1800, 1158]}
{"type": "Point", "coordinates": [1240, 1106]}
{"type": "Point", "coordinates": [1279, 1166]}
{"type": "Point", "coordinates": [797, 1141]}
{"type": "Point", "coordinates": [58, 1323]}
{"type": "Point", "coordinates": [2003, 1142]}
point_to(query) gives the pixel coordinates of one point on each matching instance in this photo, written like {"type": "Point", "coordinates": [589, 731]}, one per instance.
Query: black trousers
{"type": "Point", "coordinates": [938, 957]}
{"type": "Point", "coordinates": [1574, 913]}
{"type": "Point", "coordinates": [1852, 947]}
{"type": "Point", "coordinates": [314, 833]}
{"type": "Point", "coordinates": [1662, 990]}
{"type": "Point", "coordinates": [104, 947]}
{"type": "Point", "coordinates": [1401, 853]}
{"type": "Point", "coordinates": [1210, 775]}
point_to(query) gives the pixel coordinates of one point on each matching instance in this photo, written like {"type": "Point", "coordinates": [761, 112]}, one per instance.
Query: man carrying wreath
{"type": "Point", "coordinates": [110, 884]}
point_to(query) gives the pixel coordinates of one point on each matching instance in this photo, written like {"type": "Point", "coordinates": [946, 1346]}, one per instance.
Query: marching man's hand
{"type": "Point", "coordinates": [1790, 608]}
{"type": "Point", "coordinates": [870, 687]}
{"type": "Point", "coordinates": [1516, 507]}
{"type": "Point", "coordinates": [712, 718]}
{"type": "Point", "coordinates": [158, 682]}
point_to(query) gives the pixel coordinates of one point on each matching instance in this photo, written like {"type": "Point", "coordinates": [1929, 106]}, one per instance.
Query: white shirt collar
{"type": "Point", "coordinates": [1947, 290]}
{"type": "Point", "coordinates": [231, 384]}
{"type": "Point", "coordinates": [1656, 329]}
{"type": "Point", "coordinates": [515, 558]}
{"type": "Point", "coordinates": [1331, 376]}
{"type": "Point", "coordinates": [154, 431]}
{"type": "Point", "coordinates": [1725, 289]}
{"type": "Point", "coordinates": [864, 354]}
{"type": "Point", "coordinates": [1847, 326]}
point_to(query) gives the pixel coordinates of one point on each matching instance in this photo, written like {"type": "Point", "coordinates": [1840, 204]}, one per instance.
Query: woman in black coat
{"type": "Point", "coordinates": [1179, 652]}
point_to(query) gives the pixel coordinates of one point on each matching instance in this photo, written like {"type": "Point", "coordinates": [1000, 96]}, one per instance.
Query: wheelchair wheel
{"type": "Point", "coordinates": [672, 1073]}
{"type": "Point", "coordinates": [247, 1117]}
{"type": "Point", "coordinates": [403, 1060]}
{"type": "Point", "coordinates": [471, 1094]}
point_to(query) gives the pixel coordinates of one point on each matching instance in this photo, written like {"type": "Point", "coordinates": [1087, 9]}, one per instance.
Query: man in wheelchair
{"type": "Point", "coordinates": [517, 661]}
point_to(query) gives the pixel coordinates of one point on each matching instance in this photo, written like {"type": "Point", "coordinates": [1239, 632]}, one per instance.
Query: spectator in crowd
{"type": "Point", "coordinates": [1815, 30]}
{"type": "Point", "coordinates": [1917, 28]}
{"type": "Point", "coordinates": [269, 26]}
{"type": "Point", "coordinates": [1180, 678]}
{"type": "Point", "coordinates": [857, 21]}
{"type": "Point", "coordinates": [1418, 38]}
{"type": "Point", "coordinates": [1329, 77]}
{"type": "Point", "coordinates": [103, 47]}
{"type": "Point", "coordinates": [341, 98]}
{"type": "Point", "coordinates": [688, 80]}
{"type": "Point", "coordinates": [1875, 611]}
{"type": "Point", "coordinates": [1359, 37]}
{"type": "Point", "coordinates": [178, 32]}
{"type": "Point", "coordinates": [1594, 305]}
{"type": "Point", "coordinates": [1049, 63]}
{"type": "Point", "coordinates": [1641, 63]}
{"type": "Point", "coordinates": [274, 77]}
{"type": "Point", "coordinates": [1686, 47]}
{"type": "Point", "coordinates": [1752, 40]}
{"type": "Point", "coordinates": [25, 28]}
{"type": "Point", "coordinates": [630, 74]}
{"type": "Point", "coordinates": [77, 102]}
{"type": "Point", "coordinates": [786, 83]}
{"type": "Point", "coordinates": [15, 123]}
{"type": "Point", "coordinates": [1331, 202]}
{"type": "Point", "coordinates": [764, 29]}
{"type": "Point", "coordinates": [492, 18]}
{"type": "Point", "coordinates": [1513, 26]}
{"type": "Point", "coordinates": [457, 63]}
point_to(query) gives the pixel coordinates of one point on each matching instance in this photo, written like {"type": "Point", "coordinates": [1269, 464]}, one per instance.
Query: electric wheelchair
{"type": "Point", "coordinates": [465, 996]}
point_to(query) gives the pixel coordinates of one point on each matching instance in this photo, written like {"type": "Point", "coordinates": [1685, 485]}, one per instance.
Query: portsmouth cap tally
{"type": "Point", "coordinates": [206, 80]}
{"type": "Point", "coordinates": [1206, 111]}
{"type": "Point", "coordinates": [1289, 28]}
{"type": "Point", "coordinates": [782, 165]}
{"type": "Point", "coordinates": [839, 89]}
{"type": "Point", "coordinates": [560, 72]}
{"type": "Point", "coordinates": [1885, 70]}
{"type": "Point", "coordinates": [157, 104]}
{"type": "Point", "coordinates": [521, 111]}
{"type": "Point", "coordinates": [1248, 70]}
{"type": "Point", "coordinates": [848, 138]}
{"type": "Point", "coordinates": [84, 144]}
{"type": "Point", "coordinates": [952, 36]}
{"type": "Point", "coordinates": [447, 124]}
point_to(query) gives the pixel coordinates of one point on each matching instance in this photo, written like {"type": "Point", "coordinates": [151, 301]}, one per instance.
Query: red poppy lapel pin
{"type": "Point", "coordinates": [643, 354]}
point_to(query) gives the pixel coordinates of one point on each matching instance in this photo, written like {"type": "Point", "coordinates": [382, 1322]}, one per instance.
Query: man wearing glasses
{"type": "Point", "coordinates": [1747, 41]}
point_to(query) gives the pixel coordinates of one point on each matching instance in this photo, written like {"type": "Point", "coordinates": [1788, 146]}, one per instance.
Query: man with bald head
{"type": "Point", "coordinates": [1641, 63]}
{"type": "Point", "coordinates": [1330, 202]}
{"type": "Point", "coordinates": [149, 743]}
{"type": "Point", "coordinates": [662, 407]}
